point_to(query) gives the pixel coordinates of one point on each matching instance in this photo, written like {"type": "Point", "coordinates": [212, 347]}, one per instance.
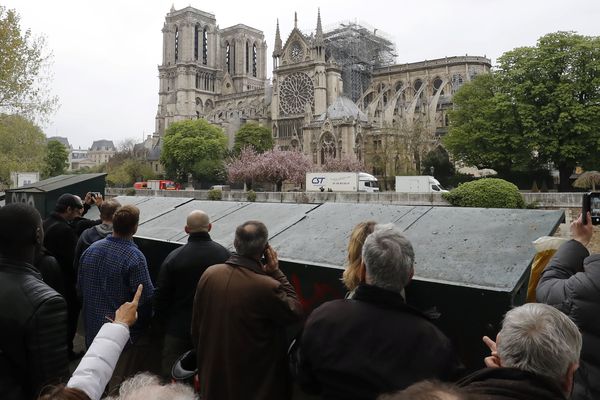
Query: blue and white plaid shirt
{"type": "Point", "coordinates": [110, 271]}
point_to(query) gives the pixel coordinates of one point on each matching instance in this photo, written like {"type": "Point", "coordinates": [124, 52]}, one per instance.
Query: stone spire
{"type": "Point", "coordinates": [172, 7]}
{"type": "Point", "coordinates": [295, 20]}
{"type": "Point", "coordinates": [319, 35]}
{"type": "Point", "coordinates": [278, 44]}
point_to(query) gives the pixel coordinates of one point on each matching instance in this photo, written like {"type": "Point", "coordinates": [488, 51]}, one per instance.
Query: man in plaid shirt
{"type": "Point", "coordinates": [109, 273]}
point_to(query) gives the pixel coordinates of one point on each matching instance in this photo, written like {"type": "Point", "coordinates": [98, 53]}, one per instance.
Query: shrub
{"type": "Point", "coordinates": [130, 192]}
{"type": "Point", "coordinates": [486, 193]}
{"type": "Point", "coordinates": [215, 194]}
{"type": "Point", "coordinates": [251, 195]}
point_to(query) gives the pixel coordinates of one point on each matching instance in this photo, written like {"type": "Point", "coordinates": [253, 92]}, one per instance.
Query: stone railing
{"type": "Point", "coordinates": [541, 200]}
{"type": "Point", "coordinates": [432, 199]}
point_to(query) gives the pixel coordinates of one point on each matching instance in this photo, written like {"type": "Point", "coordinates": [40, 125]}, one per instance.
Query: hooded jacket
{"type": "Point", "coordinates": [89, 236]}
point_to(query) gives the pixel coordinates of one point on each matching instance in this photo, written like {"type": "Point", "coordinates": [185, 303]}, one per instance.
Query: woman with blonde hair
{"type": "Point", "coordinates": [354, 274]}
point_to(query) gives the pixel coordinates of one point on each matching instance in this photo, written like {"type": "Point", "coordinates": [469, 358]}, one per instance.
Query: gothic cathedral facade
{"type": "Point", "coordinates": [322, 101]}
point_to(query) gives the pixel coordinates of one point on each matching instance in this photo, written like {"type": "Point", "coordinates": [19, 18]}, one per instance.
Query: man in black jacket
{"type": "Point", "coordinates": [373, 343]}
{"type": "Point", "coordinates": [33, 317]}
{"type": "Point", "coordinates": [60, 240]}
{"type": "Point", "coordinates": [177, 281]}
{"type": "Point", "coordinates": [535, 357]}
{"type": "Point", "coordinates": [571, 283]}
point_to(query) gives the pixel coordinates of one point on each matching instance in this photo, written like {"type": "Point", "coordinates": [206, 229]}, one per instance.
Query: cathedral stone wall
{"type": "Point", "coordinates": [220, 75]}
{"type": "Point", "coordinates": [202, 63]}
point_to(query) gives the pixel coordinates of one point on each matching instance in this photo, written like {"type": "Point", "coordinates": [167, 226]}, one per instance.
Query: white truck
{"type": "Point", "coordinates": [341, 182]}
{"type": "Point", "coordinates": [418, 184]}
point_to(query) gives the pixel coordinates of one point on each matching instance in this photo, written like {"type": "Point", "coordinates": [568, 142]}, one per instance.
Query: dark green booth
{"type": "Point", "coordinates": [43, 194]}
{"type": "Point", "coordinates": [472, 264]}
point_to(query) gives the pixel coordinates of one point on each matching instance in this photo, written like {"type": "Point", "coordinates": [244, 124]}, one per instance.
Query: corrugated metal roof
{"type": "Point", "coordinates": [486, 248]}
{"type": "Point", "coordinates": [56, 182]}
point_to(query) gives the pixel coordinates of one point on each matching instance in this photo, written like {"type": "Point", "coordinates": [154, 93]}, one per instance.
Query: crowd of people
{"type": "Point", "coordinates": [232, 313]}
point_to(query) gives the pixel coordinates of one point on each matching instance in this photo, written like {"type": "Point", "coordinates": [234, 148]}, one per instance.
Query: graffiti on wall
{"type": "Point", "coordinates": [26, 198]}
{"type": "Point", "coordinates": [312, 294]}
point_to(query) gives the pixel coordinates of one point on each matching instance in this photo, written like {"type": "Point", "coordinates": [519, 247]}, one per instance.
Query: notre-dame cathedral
{"type": "Point", "coordinates": [333, 94]}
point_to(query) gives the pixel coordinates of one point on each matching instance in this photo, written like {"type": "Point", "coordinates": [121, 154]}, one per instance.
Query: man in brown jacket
{"type": "Point", "coordinates": [241, 309]}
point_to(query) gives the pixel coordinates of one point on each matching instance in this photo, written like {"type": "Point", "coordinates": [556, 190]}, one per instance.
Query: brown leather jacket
{"type": "Point", "coordinates": [238, 324]}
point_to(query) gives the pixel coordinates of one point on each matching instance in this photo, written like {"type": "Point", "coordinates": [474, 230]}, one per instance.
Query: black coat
{"type": "Point", "coordinates": [510, 384]}
{"type": "Point", "coordinates": [371, 344]}
{"type": "Point", "coordinates": [177, 280]}
{"type": "Point", "coordinates": [571, 283]}
{"type": "Point", "coordinates": [50, 270]}
{"type": "Point", "coordinates": [60, 240]}
{"type": "Point", "coordinates": [33, 323]}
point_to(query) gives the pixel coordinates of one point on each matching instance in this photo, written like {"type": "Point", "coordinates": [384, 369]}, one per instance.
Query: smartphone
{"type": "Point", "coordinates": [591, 204]}
{"type": "Point", "coordinates": [263, 259]}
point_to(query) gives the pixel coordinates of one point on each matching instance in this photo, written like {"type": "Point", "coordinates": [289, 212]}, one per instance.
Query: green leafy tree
{"type": "Point", "coordinates": [24, 70]}
{"type": "Point", "coordinates": [254, 135]}
{"type": "Point", "coordinates": [56, 159]}
{"type": "Point", "coordinates": [484, 127]}
{"type": "Point", "coordinates": [22, 147]}
{"type": "Point", "coordinates": [541, 105]}
{"type": "Point", "coordinates": [555, 87]}
{"type": "Point", "coordinates": [437, 163]}
{"type": "Point", "coordinates": [128, 172]}
{"type": "Point", "coordinates": [190, 144]}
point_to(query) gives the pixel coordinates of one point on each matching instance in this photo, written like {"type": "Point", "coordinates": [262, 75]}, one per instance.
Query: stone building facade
{"type": "Point", "coordinates": [208, 72]}
{"type": "Point", "coordinates": [399, 113]}
{"type": "Point", "coordinates": [101, 151]}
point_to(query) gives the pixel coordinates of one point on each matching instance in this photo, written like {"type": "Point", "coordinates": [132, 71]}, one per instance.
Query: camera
{"type": "Point", "coordinates": [591, 203]}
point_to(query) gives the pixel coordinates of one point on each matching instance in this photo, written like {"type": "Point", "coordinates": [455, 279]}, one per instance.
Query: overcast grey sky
{"type": "Point", "coordinates": [106, 53]}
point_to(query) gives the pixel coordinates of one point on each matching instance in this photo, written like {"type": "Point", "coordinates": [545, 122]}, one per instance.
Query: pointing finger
{"type": "Point", "coordinates": [489, 343]}
{"type": "Point", "coordinates": [138, 294]}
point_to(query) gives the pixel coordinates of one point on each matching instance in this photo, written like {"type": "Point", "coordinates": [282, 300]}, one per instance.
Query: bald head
{"type": "Point", "coordinates": [197, 221]}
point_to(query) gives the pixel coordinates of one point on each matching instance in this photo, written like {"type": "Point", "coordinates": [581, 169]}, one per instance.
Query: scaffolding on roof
{"type": "Point", "coordinates": [358, 50]}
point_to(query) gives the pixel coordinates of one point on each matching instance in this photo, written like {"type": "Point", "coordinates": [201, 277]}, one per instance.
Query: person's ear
{"type": "Point", "coordinates": [209, 227]}
{"type": "Point", "coordinates": [362, 272]}
{"type": "Point", "coordinates": [187, 230]}
{"type": "Point", "coordinates": [39, 236]}
{"type": "Point", "coordinates": [569, 379]}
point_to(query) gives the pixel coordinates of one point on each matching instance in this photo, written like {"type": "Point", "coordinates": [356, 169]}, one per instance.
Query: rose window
{"type": "Point", "coordinates": [295, 92]}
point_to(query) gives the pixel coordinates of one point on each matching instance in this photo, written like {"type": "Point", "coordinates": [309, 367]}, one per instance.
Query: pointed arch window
{"type": "Point", "coordinates": [233, 58]}
{"type": "Point", "coordinates": [228, 57]}
{"type": "Point", "coordinates": [204, 46]}
{"type": "Point", "coordinates": [254, 59]}
{"type": "Point", "coordinates": [247, 57]}
{"type": "Point", "coordinates": [176, 44]}
{"type": "Point", "coordinates": [328, 150]}
{"type": "Point", "coordinates": [196, 41]}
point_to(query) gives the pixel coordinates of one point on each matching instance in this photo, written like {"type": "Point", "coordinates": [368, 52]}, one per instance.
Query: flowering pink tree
{"type": "Point", "coordinates": [344, 164]}
{"type": "Point", "coordinates": [277, 166]}
{"type": "Point", "coordinates": [243, 168]}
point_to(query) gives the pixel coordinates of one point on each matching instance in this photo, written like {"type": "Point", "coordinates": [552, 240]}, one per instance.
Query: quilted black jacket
{"type": "Point", "coordinates": [571, 283]}
{"type": "Point", "coordinates": [33, 323]}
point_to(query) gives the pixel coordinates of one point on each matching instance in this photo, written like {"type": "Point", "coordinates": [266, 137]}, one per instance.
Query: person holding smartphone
{"type": "Point", "coordinates": [241, 310]}
{"type": "Point", "coordinates": [571, 283]}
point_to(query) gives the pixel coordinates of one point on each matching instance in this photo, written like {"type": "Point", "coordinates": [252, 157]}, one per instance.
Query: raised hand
{"type": "Point", "coordinates": [127, 313]}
